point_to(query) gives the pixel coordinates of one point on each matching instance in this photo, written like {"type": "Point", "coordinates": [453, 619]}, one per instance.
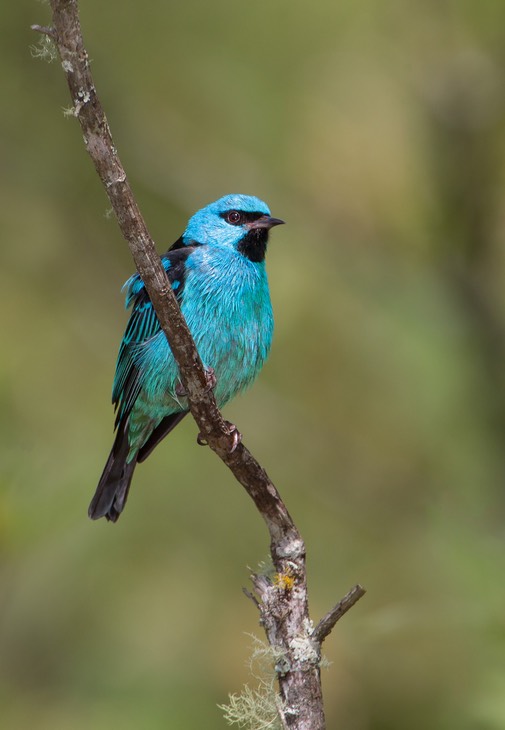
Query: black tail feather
{"type": "Point", "coordinates": [159, 433]}
{"type": "Point", "coordinates": [112, 490]}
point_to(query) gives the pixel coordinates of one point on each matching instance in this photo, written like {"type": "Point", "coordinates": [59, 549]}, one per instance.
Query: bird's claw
{"type": "Point", "coordinates": [235, 434]}
{"type": "Point", "coordinates": [231, 430]}
{"type": "Point", "coordinates": [201, 440]}
{"type": "Point", "coordinates": [210, 377]}
{"type": "Point", "coordinates": [180, 391]}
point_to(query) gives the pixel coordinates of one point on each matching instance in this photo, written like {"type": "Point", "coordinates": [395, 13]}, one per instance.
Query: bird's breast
{"type": "Point", "coordinates": [228, 310]}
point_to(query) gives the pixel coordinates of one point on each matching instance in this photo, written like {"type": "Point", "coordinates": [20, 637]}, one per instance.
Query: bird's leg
{"type": "Point", "coordinates": [231, 430]}
{"type": "Point", "coordinates": [210, 376]}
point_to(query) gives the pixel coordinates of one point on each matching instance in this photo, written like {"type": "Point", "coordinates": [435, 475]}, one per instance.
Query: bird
{"type": "Point", "coordinates": [217, 271]}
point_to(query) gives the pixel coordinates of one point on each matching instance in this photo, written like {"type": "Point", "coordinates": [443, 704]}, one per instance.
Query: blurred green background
{"type": "Point", "coordinates": [376, 130]}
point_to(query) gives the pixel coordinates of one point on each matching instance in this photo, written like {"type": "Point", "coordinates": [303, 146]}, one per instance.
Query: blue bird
{"type": "Point", "coordinates": [217, 271]}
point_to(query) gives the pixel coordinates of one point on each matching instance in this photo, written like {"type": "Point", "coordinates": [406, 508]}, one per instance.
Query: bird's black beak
{"type": "Point", "coordinates": [266, 221]}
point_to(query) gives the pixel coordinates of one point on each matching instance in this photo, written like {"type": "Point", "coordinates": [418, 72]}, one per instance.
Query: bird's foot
{"type": "Point", "coordinates": [231, 430]}
{"type": "Point", "coordinates": [180, 391]}
{"type": "Point", "coordinates": [210, 377]}
{"type": "Point", "coordinates": [235, 434]}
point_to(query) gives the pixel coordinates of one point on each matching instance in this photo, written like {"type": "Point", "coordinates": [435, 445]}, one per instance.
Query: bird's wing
{"type": "Point", "coordinates": [142, 326]}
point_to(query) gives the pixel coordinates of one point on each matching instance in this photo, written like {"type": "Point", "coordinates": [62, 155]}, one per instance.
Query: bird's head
{"type": "Point", "coordinates": [240, 222]}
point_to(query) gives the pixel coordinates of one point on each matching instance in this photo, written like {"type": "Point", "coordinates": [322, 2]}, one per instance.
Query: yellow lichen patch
{"type": "Point", "coordinates": [284, 581]}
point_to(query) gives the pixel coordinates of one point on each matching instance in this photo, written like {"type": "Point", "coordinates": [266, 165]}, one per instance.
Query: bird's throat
{"type": "Point", "coordinates": [254, 245]}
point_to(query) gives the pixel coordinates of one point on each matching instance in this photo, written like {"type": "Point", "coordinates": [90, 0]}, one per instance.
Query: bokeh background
{"type": "Point", "coordinates": [376, 130]}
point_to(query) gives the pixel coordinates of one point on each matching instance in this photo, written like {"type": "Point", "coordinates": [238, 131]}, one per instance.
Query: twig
{"type": "Point", "coordinates": [325, 626]}
{"type": "Point", "coordinates": [45, 30]}
{"type": "Point", "coordinates": [284, 611]}
{"type": "Point", "coordinates": [248, 594]}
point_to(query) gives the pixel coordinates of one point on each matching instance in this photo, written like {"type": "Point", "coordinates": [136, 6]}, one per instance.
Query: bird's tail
{"type": "Point", "coordinates": [112, 490]}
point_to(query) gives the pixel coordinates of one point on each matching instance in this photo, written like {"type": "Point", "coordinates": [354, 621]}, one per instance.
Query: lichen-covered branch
{"type": "Point", "coordinates": [283, 603]}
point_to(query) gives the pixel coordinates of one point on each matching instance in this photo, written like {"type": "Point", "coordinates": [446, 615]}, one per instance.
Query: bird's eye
{"type": "Point", "coordinates": [234, 217]}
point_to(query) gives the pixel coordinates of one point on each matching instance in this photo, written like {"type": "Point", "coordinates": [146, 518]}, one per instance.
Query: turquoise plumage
{"type": "Point", "coordinates": [217, 271]}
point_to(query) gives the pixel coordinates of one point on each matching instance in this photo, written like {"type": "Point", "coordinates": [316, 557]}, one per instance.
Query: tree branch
{"type": "Point", "coordinates": [283, 605]}
{"type": "Point", "coordinates": [325, 626]}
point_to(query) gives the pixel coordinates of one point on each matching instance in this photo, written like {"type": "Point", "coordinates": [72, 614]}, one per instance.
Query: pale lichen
{"type": "Point", "coordinates": [83, 97]}
{"type": "Point", "coordinates": [303, 650]}
{"type": "Point", "coordinates": [69, 111]}
{"type": "Point", "coordinates": [45, 50]}
{"type": "Point", "coordinates": [253, 709]}
{"type": "Point", "coordinates": [259, 708]}
{"type": "Point", "coordinates": [308, 625]}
